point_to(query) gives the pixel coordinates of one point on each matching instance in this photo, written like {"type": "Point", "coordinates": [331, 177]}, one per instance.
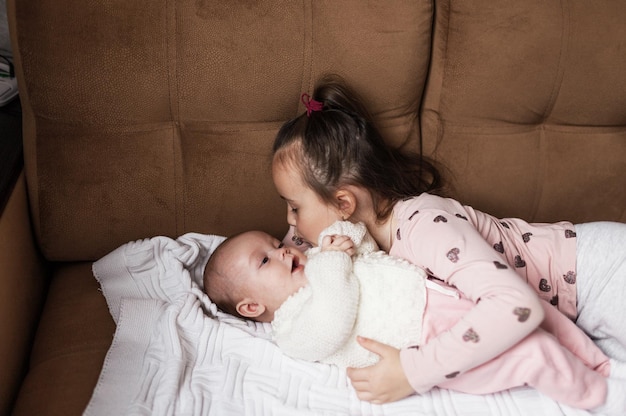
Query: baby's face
{"type": "Point", "coordinates": [271, 272]}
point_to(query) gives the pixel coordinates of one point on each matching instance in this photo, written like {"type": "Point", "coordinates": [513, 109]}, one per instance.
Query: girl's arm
{"type": "Point", "coordinates": [506, 309]}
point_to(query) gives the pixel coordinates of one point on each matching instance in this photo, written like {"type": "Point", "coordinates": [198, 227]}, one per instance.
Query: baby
{"type": "Point", "coordinates": [319, 302]}
{"type": "Point", "coordinates": [316, 316]}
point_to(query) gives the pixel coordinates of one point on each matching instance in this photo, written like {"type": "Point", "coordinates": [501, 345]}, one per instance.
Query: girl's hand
{"type": "Point", "coordinates": [384, 381]}
{"type": "Point", "coordinates": [338, 243]}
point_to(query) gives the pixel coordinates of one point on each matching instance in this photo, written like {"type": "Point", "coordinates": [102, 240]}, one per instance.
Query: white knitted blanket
{"type": "Point", "coordinates": [174, 354]}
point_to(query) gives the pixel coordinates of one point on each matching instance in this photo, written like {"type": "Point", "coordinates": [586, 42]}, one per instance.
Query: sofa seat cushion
{"type": "Point", "coordinates": [74, 335]}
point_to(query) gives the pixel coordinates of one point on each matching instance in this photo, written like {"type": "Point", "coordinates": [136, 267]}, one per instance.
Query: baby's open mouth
{"type": "Point", "coordinates": [295, 263]}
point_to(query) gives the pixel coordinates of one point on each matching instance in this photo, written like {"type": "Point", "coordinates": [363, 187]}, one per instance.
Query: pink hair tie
{"type": "Point", "coordinates": [311, 104]}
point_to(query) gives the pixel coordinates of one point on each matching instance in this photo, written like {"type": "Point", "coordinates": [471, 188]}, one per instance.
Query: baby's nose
{"type": "Point", "coordinates": [282, 251]}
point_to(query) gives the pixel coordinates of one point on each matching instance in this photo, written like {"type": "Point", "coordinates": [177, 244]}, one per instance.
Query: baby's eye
{"type": "Point", "coordinates": [281, 245]}
{"type": "Point", "coordinates": [265, 260]}
{"type": "Point", "coordinates": [294, 210]}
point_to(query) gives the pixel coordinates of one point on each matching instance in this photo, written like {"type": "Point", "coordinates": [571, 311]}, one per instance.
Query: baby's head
{"type": "Point", "coordinates": [251, 274]}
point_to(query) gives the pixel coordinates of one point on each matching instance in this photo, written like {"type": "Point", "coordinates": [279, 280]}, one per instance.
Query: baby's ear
{"type": "Point", "coordinates": [249, 308]}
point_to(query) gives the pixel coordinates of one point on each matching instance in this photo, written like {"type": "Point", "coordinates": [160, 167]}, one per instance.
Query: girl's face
{"type": "Point", "coordinates": [306, 211]}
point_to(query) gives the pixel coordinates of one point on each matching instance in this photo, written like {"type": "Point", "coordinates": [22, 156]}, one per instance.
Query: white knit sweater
{"type": "Point", "coordinates": [373, 295]}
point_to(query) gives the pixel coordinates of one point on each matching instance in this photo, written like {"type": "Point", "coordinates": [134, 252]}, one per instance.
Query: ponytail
{"type": "Point", "coordinates": [339, 145]}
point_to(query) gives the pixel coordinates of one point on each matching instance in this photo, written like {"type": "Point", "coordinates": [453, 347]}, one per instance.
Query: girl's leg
{"type": "Point", "coordinates": [538, 361]}
{"type": "Point", "coordinates": [601, 285]}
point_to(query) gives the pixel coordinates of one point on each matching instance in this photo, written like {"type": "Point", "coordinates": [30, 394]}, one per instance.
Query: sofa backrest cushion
{"type": "Point", "coordinates": [526, 104]}
{"type": "Point", "coordinates": [147, 118]}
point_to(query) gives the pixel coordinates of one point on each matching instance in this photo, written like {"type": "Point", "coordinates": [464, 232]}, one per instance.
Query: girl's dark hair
{"type": "Point", "coordinates": [341, 146]}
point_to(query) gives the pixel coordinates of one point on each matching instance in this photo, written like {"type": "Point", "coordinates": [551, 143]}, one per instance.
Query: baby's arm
{"type": "Point", "coordinates": [316, 321]}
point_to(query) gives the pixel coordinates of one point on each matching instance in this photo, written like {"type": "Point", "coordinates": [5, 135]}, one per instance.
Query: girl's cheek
{"type": "Point", "coordinates": [291, 220]}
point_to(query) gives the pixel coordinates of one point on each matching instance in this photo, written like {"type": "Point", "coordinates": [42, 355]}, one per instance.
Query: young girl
{"type": "Point", "coordinates": [317, 301]}
{"type": "Point", "coordinates": [331, 161]}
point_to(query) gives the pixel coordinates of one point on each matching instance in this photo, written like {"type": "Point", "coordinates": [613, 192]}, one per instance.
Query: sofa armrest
{"type": "Point", "coordinates": [23, 282]}
{"type": "Point", "coordinates": [11, 154]}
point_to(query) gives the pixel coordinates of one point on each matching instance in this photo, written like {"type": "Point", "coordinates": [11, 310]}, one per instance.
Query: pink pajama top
{"type": "Point", "coordinates": [483, 258]}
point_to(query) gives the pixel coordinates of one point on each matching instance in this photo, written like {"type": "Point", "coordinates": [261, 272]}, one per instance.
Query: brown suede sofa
{"type": "Point", "coordinates": [145, 118]}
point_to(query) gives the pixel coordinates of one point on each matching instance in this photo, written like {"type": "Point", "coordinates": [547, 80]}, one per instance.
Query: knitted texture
{"type": "Point", "coordinates": [373, 295]}
{"type": "Point", "coordinates": [363, 241]}
{"type": "Point", "coordinates": [315, 321]}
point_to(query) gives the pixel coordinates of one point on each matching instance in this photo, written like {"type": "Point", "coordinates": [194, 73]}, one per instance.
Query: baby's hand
{"type": "Point", "coordinates": [338, 243]}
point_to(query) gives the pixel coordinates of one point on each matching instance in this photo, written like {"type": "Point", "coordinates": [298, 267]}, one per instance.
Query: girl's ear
{"type": "Point", "coordinates": [249, 308]}
{"type": "Point", "coordinates": [346, 202]}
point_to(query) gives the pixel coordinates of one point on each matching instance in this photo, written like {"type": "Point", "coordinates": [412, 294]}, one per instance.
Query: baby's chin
{"type": "Point", "coordinates": [298, 273]}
